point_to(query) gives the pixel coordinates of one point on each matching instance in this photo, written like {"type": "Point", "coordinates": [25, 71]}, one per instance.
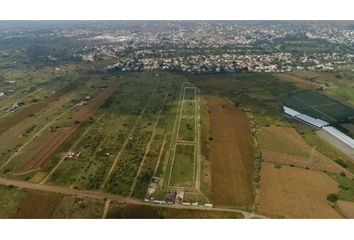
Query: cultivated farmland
{"type": "Point", "coordinates": [232, 161]}
{"type": "Point", "coordinates": [292, 192]}
{"type": "Point", "coordinates": [283, 145]}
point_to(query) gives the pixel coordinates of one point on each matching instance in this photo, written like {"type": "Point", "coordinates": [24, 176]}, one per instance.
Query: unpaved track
{"type": "Point", "coordinates": [36, 135]}
{"type": "Point", "coordinates": [71, 149]}
{"type": "Point", "coordinates": [114, 197]}
{"type": "Point", "coordinates": [106, 208]}
{"type": "Point", "coordinates": [126, 141]}
{"type": "Point", "coordinates": [160, 154]}
{"type": "Point", "coordinates": [147, 150]}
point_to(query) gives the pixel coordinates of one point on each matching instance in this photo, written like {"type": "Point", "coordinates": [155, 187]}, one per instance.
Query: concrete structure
{"type": "Point", "coordinates": [340, 136]}
{"type": "Point", "coordinates": [318, 123]}
{"type": "Point", "coordinates": [305, 118]}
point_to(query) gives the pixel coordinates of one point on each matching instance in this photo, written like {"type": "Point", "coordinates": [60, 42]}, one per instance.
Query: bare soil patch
{"type": "Point", "coordinates": [38, 205]}
{"type": "Point", "coordinates": [284, 145]}
{"type": "Point", "coordinates": [292, 192]}
{"type": "Point", "coordinates": [52, 143]}
{"type": "Point", "coordinates": [232, 162]}
{"type": "Point", "coordinates": [347, 208]}
{"type": "Point", "coordinates": [38, 177]}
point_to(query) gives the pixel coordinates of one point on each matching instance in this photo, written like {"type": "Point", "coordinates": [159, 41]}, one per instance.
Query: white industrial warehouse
{"type": "Point", "coordinates": [318, 123]}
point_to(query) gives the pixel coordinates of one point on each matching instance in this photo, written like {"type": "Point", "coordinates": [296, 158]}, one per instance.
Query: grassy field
{"type": "Point", "coordinates": [19, 203]}
{"type": "Point", "coordinates": [10, 199]}
{"type": "Point", "coordinates": [187, 129]}
{"type": "Point", "coordinates": [188, 108]}
{"type": "Point", "coordinates": [183, 168]}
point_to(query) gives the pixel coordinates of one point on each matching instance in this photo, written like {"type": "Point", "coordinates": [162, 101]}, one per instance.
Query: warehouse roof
{"type": "Point", "coordinates": [339, 135]}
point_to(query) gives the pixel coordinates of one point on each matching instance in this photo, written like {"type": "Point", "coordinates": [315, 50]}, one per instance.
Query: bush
{"type": "Point", "coordinates": [341, 163]}
{"type": "Point", "coordinates": [277, 165]}
{"type": "Point", "coordinates": [332, 197]}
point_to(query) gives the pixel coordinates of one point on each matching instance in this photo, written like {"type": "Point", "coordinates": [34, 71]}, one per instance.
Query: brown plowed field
{"type": "Point", "coordinates": [56, 139]}
{"type": "Point", "coordinates": [284, 145]}
{"type": "Point", "coordinates": [232, 163]}
{"type": "Point", "coordinates": [92, 106]}
{"type": "Point", "coordinates": [24, 111]}
{"type": "Point", "coordinates": [52, 143]}
{"type": "Point", "coordinates": [292, 192]}
{"type": "Point", "coordinates": [347, 208]}
{"type": "Point", "coordinates": [21, 114]}
{"type": "Point", "coordinates": [38, 205]}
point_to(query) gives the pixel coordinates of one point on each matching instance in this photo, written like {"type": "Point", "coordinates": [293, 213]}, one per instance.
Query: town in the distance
{"type": "Point", "coordinates": [177, 119]}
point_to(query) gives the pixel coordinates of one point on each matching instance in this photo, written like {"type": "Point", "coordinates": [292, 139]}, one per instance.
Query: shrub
{"type": "Point", "coordinates": [332, 197]}
{"type": "Point", "coordinates": [341, 163]}
{"type": "Point", "coordinates": [277, 165]}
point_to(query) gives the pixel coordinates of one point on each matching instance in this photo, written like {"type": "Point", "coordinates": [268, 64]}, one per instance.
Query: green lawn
{"type": "Point", "coordinates": [186, 129]}
{"type": "Point", "coordinates": [346, 186]}
{"type": "Point", "coordinates": [188, 108]}
{"type": "Point", "coordinates": [183, 166]}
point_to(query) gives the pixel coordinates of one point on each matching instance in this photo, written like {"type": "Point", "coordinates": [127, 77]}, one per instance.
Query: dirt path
{"type": "Point", "coordinates": [126, 141]}
{"type": "Point", "coordinates": [71, 149]}
{"type": "Point", "coordinates": [19, 100]}
{"type": "Point", "coordinates": [113, 197]}
{"type": "Point", "coordinates": [147, 150]}
{"type": "Point", "coordinates": [106, 208]}
{"type": "Point", "coordinates": [160, 154]}
{"type": "Point", "coordinates": [34, 136]}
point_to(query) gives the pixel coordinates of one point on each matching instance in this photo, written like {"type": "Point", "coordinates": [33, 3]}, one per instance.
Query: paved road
{"type": "Point", "coordinates": [109, 196]}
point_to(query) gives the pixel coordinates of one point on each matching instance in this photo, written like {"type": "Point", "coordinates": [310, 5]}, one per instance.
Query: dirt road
{"type": "Point", "coordinates": [114, 197]}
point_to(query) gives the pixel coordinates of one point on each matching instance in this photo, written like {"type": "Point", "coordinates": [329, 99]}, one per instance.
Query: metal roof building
{"type": "Point", "coordinates": [340, 136]}
{"type": "Point", "coordinates": [305, 118]}
{"type": "Point", "coordinates": [290, 111]}
{"type": "Point", "coordinates": [320, 124]}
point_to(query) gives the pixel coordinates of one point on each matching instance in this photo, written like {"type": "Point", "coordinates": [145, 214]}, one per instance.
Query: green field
{"type": "Point", "coordinates": [183, 169]}
{"type": "Point", "coordinates": [189, 93]}
{"type": "Point", "coordinates": [188, 108]}
{"type": "Point", "coordinates": [187, 129]}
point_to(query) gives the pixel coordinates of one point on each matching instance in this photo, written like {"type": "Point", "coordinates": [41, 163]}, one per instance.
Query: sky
{"type": "Point", "coordinates": [176, 9]}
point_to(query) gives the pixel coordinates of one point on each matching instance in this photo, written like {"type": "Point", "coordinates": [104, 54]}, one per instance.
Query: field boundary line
{"type": "Point", "coordinates": [127, 139]}
{"type": "Point", "coordinates": [175, 136]}
{"type": "Point", "coordinates": [181, 142]}
{"type": "Point", "coordinates": [106, 208]}
{"type": "Point", "coordinates": [73, 147]}
{"type": "Point", "coordinates": [168, 156]}
{"type": "Point", "coordinates": [35, 135]}
{"type": "Point", "coordinates": [18, 100]}
{"type": "Point", "coordinates": [147, 149]}
{"type": "Point", "coordinates": [160, 155]}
